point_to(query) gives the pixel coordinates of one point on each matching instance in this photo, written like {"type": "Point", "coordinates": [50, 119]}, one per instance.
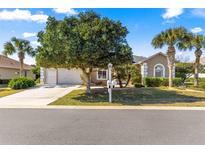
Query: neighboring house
{"type": "Point", "coordinates": [153, 66]}
{"type": "Point", "coordinates": [9, 69]}
{"type": "Point", "coordinates": [202, 62]}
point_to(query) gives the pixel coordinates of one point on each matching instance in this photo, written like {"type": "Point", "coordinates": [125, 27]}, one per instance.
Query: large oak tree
{"type": "Point", "coordinates": [86, 41]}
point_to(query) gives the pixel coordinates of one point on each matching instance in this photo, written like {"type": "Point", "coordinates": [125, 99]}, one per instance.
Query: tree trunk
{"type": "Point", "coordinates": [21, 67]}
{"type": "Point", "coordinates": [87, 73]}
{"type": "Point", "coordinates": [88, 90]}
{"type": "Point", "coordinates": [198, 54]}
{"type": "Point", "coordinates": [171, 61]}
{"type": "Point", "coordinates": [21, 58]}
{"type": "Point", "coordinates": [128, 80]}
{"type": "Point", "coordinates": [120, 82]}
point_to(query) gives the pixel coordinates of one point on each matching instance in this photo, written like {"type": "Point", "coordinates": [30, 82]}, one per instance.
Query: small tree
{"type": "Point", "coordinates": [36, 70]}
{"type": "Point", "coordinates": [184, 70]}
{"type": "Point", "coordinates": [126, 73]}
{"type": "Point", "coordinates": [19, 46]}
{"type": "Point", "coordinates": [87, 41]}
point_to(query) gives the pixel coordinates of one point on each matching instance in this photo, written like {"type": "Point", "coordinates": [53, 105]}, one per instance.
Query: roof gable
{"type": "Point", "coordinates": [6, 62]}
{"type": "Point", "coordinates": [137, 59]}
{"type": "Point", "coordinates": [159, 53]}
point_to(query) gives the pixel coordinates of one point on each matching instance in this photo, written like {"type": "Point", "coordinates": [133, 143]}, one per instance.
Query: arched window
{"type": "Point", "coordinates": [159, 70]}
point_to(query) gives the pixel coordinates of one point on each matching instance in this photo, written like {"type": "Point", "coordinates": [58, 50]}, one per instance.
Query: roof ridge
{"type": "Point", "coordinates": [8, 62]}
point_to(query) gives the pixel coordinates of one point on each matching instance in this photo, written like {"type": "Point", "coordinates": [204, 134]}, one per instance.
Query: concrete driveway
{"type": "Point", "coordinates": [37, 96]}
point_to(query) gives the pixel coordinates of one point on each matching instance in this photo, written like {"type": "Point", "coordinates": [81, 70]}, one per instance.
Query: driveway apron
{"type": "Point", "coordinates": [37, 96]}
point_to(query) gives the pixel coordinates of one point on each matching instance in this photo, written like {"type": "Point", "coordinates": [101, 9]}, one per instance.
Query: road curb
{"type": "Point", "coordinates": [101, 107]}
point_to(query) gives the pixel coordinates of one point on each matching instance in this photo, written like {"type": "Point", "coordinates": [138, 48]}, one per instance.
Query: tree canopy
{"type": "Point", "coordinates": [85, 41]}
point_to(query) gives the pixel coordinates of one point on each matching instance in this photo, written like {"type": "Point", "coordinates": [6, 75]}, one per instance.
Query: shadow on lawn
{"type": "Point", "coordinates": [137, 96]}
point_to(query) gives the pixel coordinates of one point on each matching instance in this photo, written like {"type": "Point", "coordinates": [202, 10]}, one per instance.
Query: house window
{"type": "Point", "coordinates": [159, 70]}
{"type": "Point", "coordinates": [102, 75]}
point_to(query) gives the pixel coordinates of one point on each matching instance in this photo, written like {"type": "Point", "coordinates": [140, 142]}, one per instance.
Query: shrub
{"type": "Point", "coordinates": [164, 82]}
{"type": "Point", "coordinates": [202, 84]}
{"type": "Point", "coordinates": [177, 82]}
{"type": "Point", "coordinates": [21, 83]}
{"type": "Point", "coordinates": [37, 81]}
{"type": "Point", "coordinates": [138, 85]}
{"type": "Point", "coordinates": [157, 82]}
{"type": "Point", "coordinates": [152, 82]}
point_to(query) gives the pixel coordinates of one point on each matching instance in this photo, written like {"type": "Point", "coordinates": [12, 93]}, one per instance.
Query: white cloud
{"type": "Point", "coordinates": [199, 12]}
{"type": "Point", "coordinates": [196, 30]}
{"type": "Point", "coordinates": [27, 35]}
{"type": "Point", "coordinates": [35, 43]}
{"type": "Point", "coordinates": [172, 13]}
{"type": "Point", "coordinates": [26, 15]}
{"type": "Point", "coordinates": [68, 11]}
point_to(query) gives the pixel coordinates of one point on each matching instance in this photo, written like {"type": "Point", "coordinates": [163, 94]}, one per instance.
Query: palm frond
{"type": "Point", "coordinates": [9, 49]}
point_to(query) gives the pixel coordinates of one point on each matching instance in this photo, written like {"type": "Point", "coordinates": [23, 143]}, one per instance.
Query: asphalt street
{"type": "Point", "coordinates": [86, 126]}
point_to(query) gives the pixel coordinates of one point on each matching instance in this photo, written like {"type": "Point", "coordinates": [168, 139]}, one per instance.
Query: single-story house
{"type": "Point", "coordinates": [9, 69]}
{"type": "Point", "coordinates": [202, 62]}
{"type": "Point", "coordinates": [153, 66]}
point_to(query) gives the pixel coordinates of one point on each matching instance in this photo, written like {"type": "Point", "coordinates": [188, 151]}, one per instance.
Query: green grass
{"type": "Point", "coordinates": [7, 91]}
{"type": "Point", "coordinates": [135, 96]}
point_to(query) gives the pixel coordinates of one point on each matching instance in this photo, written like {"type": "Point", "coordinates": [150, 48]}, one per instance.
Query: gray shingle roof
{"type": "Point", "coordinates": [138, 59]}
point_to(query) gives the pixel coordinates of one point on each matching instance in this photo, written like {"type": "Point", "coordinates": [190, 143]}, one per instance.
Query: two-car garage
{"type": "Point", "coordinates": [60, 76]}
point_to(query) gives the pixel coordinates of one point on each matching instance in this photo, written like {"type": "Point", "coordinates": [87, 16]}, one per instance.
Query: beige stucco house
{"type": "Point", "coordinates": [202, 62]}
{"type": "Point", "coordinates": [153, 66]}
{"type": "Point", "coordinates": [9, 69]}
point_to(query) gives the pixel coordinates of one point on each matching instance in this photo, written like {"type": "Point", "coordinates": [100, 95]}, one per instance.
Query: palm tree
{"type": "Point", "coordinates": [196, 42]}
{"type": "Point", "coordinates": [172, 38]}
{"type": "Point", "coordinates": [19, 46]}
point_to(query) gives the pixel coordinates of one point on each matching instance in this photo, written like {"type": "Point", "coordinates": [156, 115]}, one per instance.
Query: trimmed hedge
{"type": "Point", "coordinates": [192, 80]}
{"type": "Point", "coordinates": [138, 85]}
{"type": "Point", "coordinates": [157, 82]}
{"type": "Point", "coordinates": [21, 83]}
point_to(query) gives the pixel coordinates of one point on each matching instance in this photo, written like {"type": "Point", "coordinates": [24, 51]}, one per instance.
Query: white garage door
{"type": "Point", "coordinates": [51, 76]}
{"type": "Point", "coordinates": [71, 76]}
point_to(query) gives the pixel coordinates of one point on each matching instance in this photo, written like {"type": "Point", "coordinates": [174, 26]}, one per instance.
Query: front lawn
{"type": "Point", "coordinates": [135, 96]}
{"type": "Point", "coordinates": [7, 91]}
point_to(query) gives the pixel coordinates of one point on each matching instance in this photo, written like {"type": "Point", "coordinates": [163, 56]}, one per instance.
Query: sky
{"type": "Point", "coordinates": [142, 24]}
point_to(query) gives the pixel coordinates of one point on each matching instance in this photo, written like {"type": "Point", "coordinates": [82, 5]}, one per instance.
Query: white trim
{"type": "Point", "coordinates": [162, 67]}
{"type": "Point", "coordinates": [42, 75]}
{"type": "Point", "coordinates": [97, 77]}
